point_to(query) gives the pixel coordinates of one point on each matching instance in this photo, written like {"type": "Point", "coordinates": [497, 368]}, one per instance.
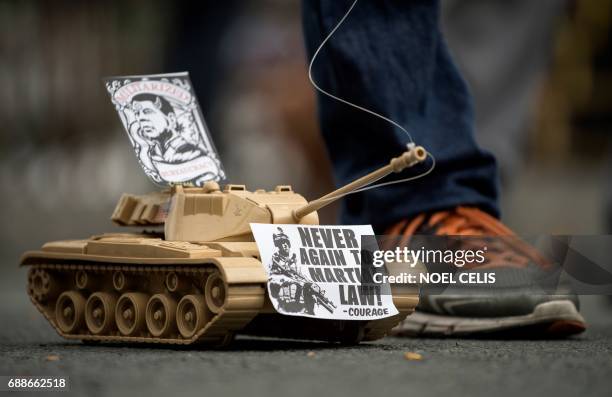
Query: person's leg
{"type": "Point", "coordinates": [389, 56]}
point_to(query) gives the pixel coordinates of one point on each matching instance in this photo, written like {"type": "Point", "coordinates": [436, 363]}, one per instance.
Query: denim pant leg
{"type": "Point", "coordinates": [389, 56]}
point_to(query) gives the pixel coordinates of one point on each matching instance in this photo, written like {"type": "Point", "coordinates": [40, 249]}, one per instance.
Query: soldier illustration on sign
{"type": "Point", "coordinates": [293, 292]}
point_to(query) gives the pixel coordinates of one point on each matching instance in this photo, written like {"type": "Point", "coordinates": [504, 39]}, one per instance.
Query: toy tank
{"type": "Point", "coordinates": [200, 280]}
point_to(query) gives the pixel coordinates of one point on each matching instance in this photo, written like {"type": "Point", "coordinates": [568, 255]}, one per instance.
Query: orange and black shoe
{"type": "Point", "coordinates": [507, 315]}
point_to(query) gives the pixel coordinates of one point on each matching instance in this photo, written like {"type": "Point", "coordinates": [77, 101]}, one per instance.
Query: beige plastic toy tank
{"type": "Point", "coordinates": [199, 280]}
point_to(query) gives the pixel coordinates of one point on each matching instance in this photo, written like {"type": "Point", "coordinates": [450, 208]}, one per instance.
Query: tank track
{"type": "Point", "coordinates": [81, 301]}
{"type": "Point", "coordinates": [217, 310]}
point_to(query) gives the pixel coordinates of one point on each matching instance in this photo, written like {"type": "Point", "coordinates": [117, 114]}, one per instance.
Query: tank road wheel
{"type": "Point", "coordinates": [100, 312]}
{"type": "Point", "coordinates": [81, 279]}
{"type": "Point", "coordinates": [175, 283]}
{"type": "Point", "coordinates": [70, 311]}
{"type": "Point", "coordinates": [215, 291]}
{"type": "Point", "coordinates": [191, 315]}
{"type": "Point", "coordinates": [41, 285]}
{"type": "Point", "coordinates": [119, 280]}
{"type": "Point", "coordinates": [130, 313]}
{"type": "Point", "coordinates": [160, 315]}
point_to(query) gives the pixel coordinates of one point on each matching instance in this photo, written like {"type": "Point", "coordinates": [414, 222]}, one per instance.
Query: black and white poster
{"type": "Point", "coordinates": [315, 271]}
{"type": "Point", "coordinates": [165, 125]}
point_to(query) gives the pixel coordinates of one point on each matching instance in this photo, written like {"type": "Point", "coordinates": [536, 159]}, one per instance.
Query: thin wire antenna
{"type": "Point", "coordinates": [411, 143]}
{"type": "Point", "coordinates": [316, 86]}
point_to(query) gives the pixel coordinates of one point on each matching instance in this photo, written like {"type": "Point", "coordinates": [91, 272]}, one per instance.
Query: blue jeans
{"type": "Point", "coordinates": [390, 57]}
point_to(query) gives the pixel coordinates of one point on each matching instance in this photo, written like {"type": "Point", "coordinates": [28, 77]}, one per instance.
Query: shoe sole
{"type": "Point", "coordinates": [550, 319]}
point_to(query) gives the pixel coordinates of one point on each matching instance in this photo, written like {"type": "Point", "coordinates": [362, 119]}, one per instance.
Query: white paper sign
{"type": "Point", "coordinates": [315, 271]}
{"type": "Point", "coordinates": [164, 122]}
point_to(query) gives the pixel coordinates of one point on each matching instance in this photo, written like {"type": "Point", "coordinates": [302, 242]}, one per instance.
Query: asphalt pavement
{"type": "Point", "coordinates": [262, 367]}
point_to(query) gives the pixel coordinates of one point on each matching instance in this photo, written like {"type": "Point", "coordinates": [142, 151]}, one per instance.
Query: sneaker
{"type": "Point", "coordinates": [510, 315]}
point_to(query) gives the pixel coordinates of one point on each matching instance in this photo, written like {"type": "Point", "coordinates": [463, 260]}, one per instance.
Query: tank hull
{"type": "Point", "coordinates": [143, 289]}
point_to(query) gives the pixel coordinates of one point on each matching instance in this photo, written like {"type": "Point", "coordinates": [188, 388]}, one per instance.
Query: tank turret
{"type": "Point", "coordinates": [199, 280]}
{"type": "Point", "coordinates": [211, 214]}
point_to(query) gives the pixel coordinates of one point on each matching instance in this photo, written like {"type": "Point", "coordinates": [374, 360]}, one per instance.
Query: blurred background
{"type": "Point", "coordinates": [541, 74]}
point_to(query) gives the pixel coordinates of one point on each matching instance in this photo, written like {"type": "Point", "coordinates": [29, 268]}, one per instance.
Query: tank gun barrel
{"type": "Point", "coordinates": [411, 157]}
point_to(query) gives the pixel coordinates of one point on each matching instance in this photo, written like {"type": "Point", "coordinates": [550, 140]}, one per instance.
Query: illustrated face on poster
{"type": "Point", "coordinates": [164, 122]}
{"type": "Point", "coordinates": [315, 271]}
